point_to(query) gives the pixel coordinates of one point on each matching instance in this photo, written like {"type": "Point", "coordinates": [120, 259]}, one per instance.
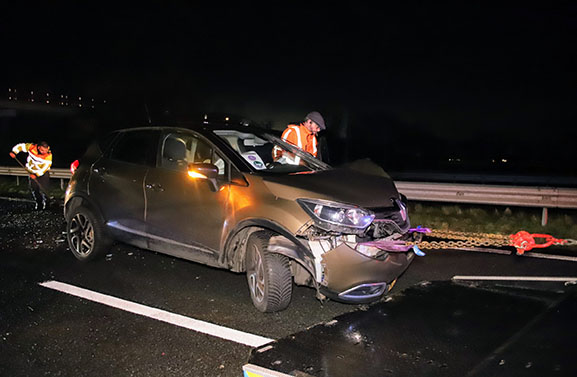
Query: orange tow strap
{"type": "Point", "coordinates": [525, 241]}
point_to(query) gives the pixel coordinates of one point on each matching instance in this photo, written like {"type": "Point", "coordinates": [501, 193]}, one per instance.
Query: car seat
{"type": "Point", "coordinates": [174, 154]}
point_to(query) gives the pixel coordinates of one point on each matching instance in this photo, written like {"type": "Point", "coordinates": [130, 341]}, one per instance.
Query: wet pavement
{"type": "Point", "coordinates": [48, 333]}
{"type": "Point", "coordinates": [439, 329]}
{"type": "Point", "coordinates": [44, 332]}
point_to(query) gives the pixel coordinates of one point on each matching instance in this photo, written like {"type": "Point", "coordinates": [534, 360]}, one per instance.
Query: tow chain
{"type": "Point", "coordinates": [522, 241]}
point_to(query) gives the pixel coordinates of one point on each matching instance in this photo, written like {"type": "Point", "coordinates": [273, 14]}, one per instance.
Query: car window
{"type": "Point", "coordinates": [178, 150]}
{"type": "Point", "coordinates": [175, 152]}
{"type": "Point", "coordinates": [136, 147]}
{"type": "Point", "coordinates": [267, 153]}
{"type": "Point", "coordinates": [105, 142]}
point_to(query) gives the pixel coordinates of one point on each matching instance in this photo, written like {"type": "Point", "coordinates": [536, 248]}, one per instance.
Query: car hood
{"type": "Point", "coordinates": [342, 185]}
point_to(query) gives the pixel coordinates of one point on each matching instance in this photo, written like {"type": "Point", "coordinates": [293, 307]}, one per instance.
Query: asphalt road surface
{"type": "Point", "coordinates": [46, 332]}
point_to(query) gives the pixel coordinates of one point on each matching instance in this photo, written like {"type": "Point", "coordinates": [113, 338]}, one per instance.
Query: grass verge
{"type": "Point", "coordinates": [562, 223]}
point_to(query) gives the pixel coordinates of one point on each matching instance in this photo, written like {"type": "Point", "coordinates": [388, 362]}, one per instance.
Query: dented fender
{"type": "Point", "coordinates": [283, 242]}
{"type": "Point", "coordinates": [293, 250]}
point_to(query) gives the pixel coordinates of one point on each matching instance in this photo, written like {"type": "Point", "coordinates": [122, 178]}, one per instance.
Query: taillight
{"type": "Point", "coordinates": [74, 166]}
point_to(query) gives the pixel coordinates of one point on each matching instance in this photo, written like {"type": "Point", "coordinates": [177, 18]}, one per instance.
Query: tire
{"type": "Point", "coordinates": [268, 275]}
{"type": "Point", "coordinates": [86, 234]}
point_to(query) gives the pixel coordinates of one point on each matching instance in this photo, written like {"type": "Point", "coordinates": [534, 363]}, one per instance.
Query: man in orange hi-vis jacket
{"type": "Point", "coordinates": [303, 135]}
{"type": "Point", "coordinates": [38, 163]}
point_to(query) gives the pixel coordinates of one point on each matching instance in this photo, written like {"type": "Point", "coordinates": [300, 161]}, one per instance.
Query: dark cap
{"type": "Point", "coordinates": [316, 117]}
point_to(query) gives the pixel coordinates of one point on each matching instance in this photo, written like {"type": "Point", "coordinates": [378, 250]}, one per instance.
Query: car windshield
{"type": "Point", "coordinates": [267, 153]}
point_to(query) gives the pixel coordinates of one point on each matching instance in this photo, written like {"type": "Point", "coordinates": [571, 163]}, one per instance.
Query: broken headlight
{"type": "Point", "coordinates": [338, 217]}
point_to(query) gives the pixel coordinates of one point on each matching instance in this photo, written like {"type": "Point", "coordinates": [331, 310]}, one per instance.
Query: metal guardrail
{"type": "Point", "coordinates": [62, 174]}
{"type": "Point", "coordinates": [550, 197]}
{"type": "Point", "coordinates": [544, 197]}
{"type": "Point", "coordinates": [20, 172]}
{"type": "Point", "coordinates": [486, 179]}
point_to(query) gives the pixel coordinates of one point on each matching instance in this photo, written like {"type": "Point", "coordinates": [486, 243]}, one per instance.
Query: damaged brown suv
{"type": "Point", "coordinates": [216, 196]}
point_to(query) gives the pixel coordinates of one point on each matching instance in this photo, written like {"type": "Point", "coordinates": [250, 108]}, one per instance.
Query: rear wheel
{"type": "Point", "coordinates": [86, 234]}
{"type": "Point", "coordinates": [268, 275]}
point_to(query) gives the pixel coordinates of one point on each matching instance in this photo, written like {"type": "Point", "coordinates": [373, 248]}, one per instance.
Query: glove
{"type": "Point", "coordinates": [33, 176]}
{"type": "Point", "coordinates": [12, 155]}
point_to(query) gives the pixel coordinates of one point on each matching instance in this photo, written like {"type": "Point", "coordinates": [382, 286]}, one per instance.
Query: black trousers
{"type": "Point", "coordinates": [39, 189]}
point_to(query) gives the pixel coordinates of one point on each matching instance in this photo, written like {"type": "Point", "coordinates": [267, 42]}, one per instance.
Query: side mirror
{"type": "Point", "coordinates": [204, 171]}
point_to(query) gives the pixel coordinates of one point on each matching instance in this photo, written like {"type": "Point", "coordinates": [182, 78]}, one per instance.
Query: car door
{"type": "Point", "coordinates": [117, 180]}
{"type": "Point", "coordinates": [184, 211]}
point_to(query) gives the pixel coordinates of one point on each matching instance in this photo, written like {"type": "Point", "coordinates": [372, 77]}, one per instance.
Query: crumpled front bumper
{"type": "Point", "coordinates": [350, 276]}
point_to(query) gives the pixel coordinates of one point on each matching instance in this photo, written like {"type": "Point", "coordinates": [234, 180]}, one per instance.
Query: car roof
{"type": "Point", "coordinates": [201, 128]}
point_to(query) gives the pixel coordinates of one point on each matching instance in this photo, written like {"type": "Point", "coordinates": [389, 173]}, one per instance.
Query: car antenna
{"type": "Point", "coordinates": [147, 113]}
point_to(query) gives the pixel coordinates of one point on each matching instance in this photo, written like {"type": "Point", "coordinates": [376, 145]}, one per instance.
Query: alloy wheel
{"type": "Point", "coordinates": [256, 275]}
{"type": "Point", "coordinates": [81, 233]}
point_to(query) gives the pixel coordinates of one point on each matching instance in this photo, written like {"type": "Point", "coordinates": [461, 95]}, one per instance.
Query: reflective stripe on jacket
{"type": "Point", "coordinates": [36, 163]}
{"type": "Point", "coordinates": [299, 136]}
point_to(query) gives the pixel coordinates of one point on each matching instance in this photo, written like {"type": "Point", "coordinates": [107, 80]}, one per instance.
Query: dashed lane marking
{"type": "Point", "coordinates": [160, 315]}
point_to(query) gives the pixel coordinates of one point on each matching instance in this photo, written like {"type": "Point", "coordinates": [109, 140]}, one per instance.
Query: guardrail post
{"type": "Point", "coordinates": [544, 216]}
{"type": "Point", "coordinates": [17, 181]}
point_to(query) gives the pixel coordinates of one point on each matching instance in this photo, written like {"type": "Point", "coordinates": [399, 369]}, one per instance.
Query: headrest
{"type": "Point", "coordinates": [174, 149]}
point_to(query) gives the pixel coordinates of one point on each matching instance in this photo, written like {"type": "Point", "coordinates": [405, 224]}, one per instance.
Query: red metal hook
{"type": "Point", "coordinates": [525, 241]}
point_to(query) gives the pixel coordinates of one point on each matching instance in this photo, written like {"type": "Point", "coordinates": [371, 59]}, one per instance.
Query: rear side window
{"type": "Point", "coordinates": [136, 147]}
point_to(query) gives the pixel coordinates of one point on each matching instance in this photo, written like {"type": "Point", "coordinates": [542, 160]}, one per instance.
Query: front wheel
{"type": "Point", "coordinates": [268, 275]}
{"type": "Point", "coordinates": [86, 234]}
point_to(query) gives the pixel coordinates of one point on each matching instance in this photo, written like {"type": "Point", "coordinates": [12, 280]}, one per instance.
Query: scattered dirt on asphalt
{"type": "Point", "coordinates": [23, 227]}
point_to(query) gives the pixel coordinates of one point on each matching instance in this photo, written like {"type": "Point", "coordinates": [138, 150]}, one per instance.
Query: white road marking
{"type": "Point", "coordinates": [517, 278]}
{"type": "Point", "coordinates": [531, 254]}
{"type": "Point", "coordinates": [161, 315]}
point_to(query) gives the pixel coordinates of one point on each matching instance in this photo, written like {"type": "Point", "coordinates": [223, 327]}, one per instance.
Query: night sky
{"type": "Point", "coordinates": [421, 81]}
